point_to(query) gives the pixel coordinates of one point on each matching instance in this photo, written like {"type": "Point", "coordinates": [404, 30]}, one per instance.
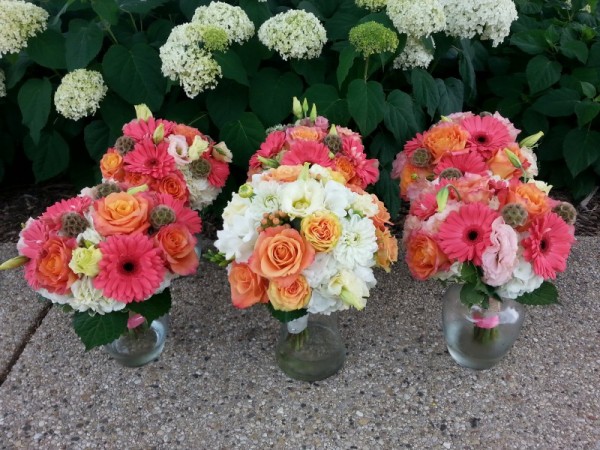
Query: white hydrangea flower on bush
{"type": "Point", "coordinates": [416, 18]}
{"type": "Point", "coordinates": [79, 93]}
{"type": "Point", "coordinates": [294, 34]}
{"type": "Point", "coordinates": [186, 56]}
{"type": "Point", "coordinates": [19, 21]}
{"type": "Point", "coordinates": [373, 5]}
{"type": "Point", "coordinates": [232, 19]}
{"type": "Point", "coordinates": [414, 54]}
{"type": "Point", "coordinates": [2, 84]}
{"type": "Point", "coordinates": [491, 19]}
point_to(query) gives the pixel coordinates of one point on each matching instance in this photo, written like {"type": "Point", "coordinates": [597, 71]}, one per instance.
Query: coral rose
{"type": "Point", "coordinates": [531, 197]}
{"type": "Point", "coordinates": [290, 297]}
{"type": "Point", "coordinates": [121, 213]}
{"type": "Point", "coordinates": [52, 270]}
{"type": "Point", "coordinates": [472, 188]}
{"type": "Point", "coordinates": [134, 179]}
{"type": "Point", "coordinates": [283, 173]}
{"type": "Point", "coordinates": [178, 245]}
{"type": "Point", "coordinates": [111, 165]}
{"type": "Point", "coordinates": [322, 230]}
{"type": "Point", "coordinates": [188, 132]}
{"type": "Point", "coordinates": [172, 184]}
{"type": "Point", "coordinates": [387, 249]}
{"type": "Point", "coordinates": [305, 133]}
{"type": "Point", "coordinates": [382, 218]}
{"type": "Point", "coordinates": [500, 164]}
{"type": "Point", "coordinates": [247, 288]}
{"type": "Point", "coordinates": [280, 253]}
{"type": "Point", "coordinates": [424, 257]}
{"type": "Point", "coordinates": [344, 165]}
{"type": "Point", "coordinates": [445, 138]}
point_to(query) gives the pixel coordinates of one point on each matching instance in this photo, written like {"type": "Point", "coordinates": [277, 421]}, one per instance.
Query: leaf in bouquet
{"type": "Point", "coordinates": [470, 295]}
{"type": "Point", "coordinates": [156, 306]}
{"type": "Point", "coordinates": [546, 294]}
{"type": "Point", "coordinates": [468, 273]}
{"type": "Point", "coordinates": [286, 316]}
{"type": "Point", "coordinates": [99, 329]}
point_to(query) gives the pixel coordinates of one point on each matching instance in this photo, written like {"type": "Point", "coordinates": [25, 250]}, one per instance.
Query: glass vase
{"type": "Point", "coordinates": [310, 348]}
{"type": "Point", "coordinates": [479, 338]}
{"type": "Point", "coordinates": [140, 345]}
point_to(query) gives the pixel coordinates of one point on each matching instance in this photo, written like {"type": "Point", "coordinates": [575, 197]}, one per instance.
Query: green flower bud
{"type": "Point", "coordinates": [532, 140]}
{"type": "Point", "coordinates": [13, 263]}
{"type": "Point", "coordinates": [159, 134]}
{"type": "Point", "coordinates": [297, 108]}
{"type": "Point", "coordinates": [142, 112]}
{"type": "Point", "coordinates": [246, 190]}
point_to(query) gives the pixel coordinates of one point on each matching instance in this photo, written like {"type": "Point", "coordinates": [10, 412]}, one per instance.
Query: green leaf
{"type": "Point", "coordinates": [581, 149]}
{"type": "Point", "coordinates": [232, 67]}
{"type": "Point", "coordinates": [503, 86]}
{"type": "Point", "coordinates": [271, 94]}
{"type": "Point", "coordinates": [140, 6]}
{"type": "Point", "coordinates": [425, 90]}
{"type": "Point", "coordinates": [135, 74]}
{"type": "Point", "coordinates": [107, 10]}
{"type": "Point", "coordinates": [83, 43]}
{"type": "Point", "coordinates": [546, 294]}
{"type": "Point", "coordinates": [451, 92]}
{"type": "Point", "coordinates": [387, 190]}
{"type": "Point", "coordinates": [557, 102]}
{"type": "Point", "coordinates": [470, 295]}
{"type": "Point", "coordinates": [286, 316]}
{"type": "Point", "coordinates": [347, 56]}
{"type": "Point", "coordinates": [551, 148]}
{"type": "Point", "coordinates": [469, 274]}
{"type": "Point", "coordinates": [258, 12]}
{"type": "Point", "coordinates": [99, 329]}
{"type": "Point", "coordinates": [48, 49]}
{"type": "Point", "coordinates": [16, 70]}
{"type": "Point", "coordinates": [97, 139]}
{"type": "Point", "coordinates": [115, 113]}
{"type": "Point", "coordinates": [532, 42]}
{"type": "Point", "coordinates": [399, 115]}
{"type": "Point", "coordinates": [329, 104]}
{"type": "Point", "coordinates": [243, 137]}
{"type": "Point", "coordinates": [34, 102]}
{"type": "Point", "coordinates": [50, 157]}
{"type": "Point", "coordinates": [156, 306]}
{"type": "Point", "coordinates": [542, 73]}
{"type": "Point", "coordinates": [226, 102]}
{"type": "Point", "coordinates": [467, 72]}
{"type": "Point", "coordinates": [533, 122]}
{"type": "Point", "coordinates": [573, 48]}
{"type": "Point", "coordinates": [586, 111]}
{"type": "Point", "coordinates": [588, 89]}
{"type": "Point", "coordinates": [510, 107]}
{"type": "Point", "coordinates": [313, 70]}
{"type": "Point", "coordinates": [366, 103]}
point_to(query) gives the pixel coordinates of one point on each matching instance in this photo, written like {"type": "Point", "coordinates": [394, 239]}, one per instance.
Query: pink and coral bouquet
{"type": "Point", "coordinates": [109, 257]}
{"type": "Point", "coordinates": [170, 158]}
{"type": "Point", "coordinates": [313, 140]}
{"type": "Point", "coordinates": [464, 143]}
{"type": "Point", "coordinates": [302, 239]}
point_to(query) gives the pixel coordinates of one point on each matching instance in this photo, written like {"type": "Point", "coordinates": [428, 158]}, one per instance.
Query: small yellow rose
{"type": "Point", "coordinates": [85, 261]}
{"type": "Point", "coordinates": [322, 230]}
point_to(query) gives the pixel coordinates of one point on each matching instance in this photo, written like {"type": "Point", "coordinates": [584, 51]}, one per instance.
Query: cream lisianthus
{"type": "Point", "coordinates": [198, 147]}
{"type": "Point", "coordinates": [364, 205]}
{"type": "Point", "coordinates": [236, 207]}
{"type": "Point", "coordinates": [85, 261]}
{"type": "Point", "coordinates": [337, 198]}
{"type": "Point", "coordinates": [351, 289]}
{"type": "Point", "coordinates": [357, 244]}
{"type": "Point", "coordinates": [302, 197]}
{"type": "Point", "coordinates": [222, 152]}
{"type": "Point", "coordinates": [266, 198]}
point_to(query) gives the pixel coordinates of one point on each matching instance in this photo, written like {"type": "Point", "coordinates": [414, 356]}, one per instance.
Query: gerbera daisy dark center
{"type": "Point", "coordinates": [473, 235]}
{"type": "Point", "coordinates": [482, 139]}
{"type": "Point", "coordinates": [128, 267]}
{"type": "Point", "coordinates": [152, 162]}
{"type": "Point", "coordinates": [544, 245]}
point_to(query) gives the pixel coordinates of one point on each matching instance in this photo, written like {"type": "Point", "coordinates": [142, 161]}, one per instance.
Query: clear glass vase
{"type": "Point", "coordinates": [479, 338]}
{"type": "Point", "coordinates": [140, 345]}
{"type": "Point", "coordinates": [311, 348]}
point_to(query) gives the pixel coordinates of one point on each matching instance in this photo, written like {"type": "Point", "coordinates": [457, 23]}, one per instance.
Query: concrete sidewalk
{"type": "Point", "coordinates": [217, 385]}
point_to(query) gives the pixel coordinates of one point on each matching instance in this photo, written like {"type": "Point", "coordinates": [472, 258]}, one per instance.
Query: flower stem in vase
{"type": "Point", "coordinates": [485, 329]}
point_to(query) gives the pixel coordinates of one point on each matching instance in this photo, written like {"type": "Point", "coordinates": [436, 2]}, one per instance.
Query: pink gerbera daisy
{"type": "Point", "coordinates": [53, 214]}
{"type": "Point", "coordinates": [219, 171]}
{"type": "Point", "coordinates": [470, 162]}
{"type": "Point", "coordinates": [32, 237]}
{"type": "Point", "coordinates": [140, 130]}
{"type": "Point", "coordinates": [424, 207]}
{"type": "Point", "coordinates": [465, 233]}
{"type": "Point", "coordinates": [131, 268]}
{"type": "Point", "coordinates": [272, 145]}
{"type": "Point", "coordinates": [367, 172]}
{"type": "Point", "coordinates": [150, 159]}
{"type": "Point", "coordinates": [413, 144]}
{"type": "Point", "coordinates": [487, 134]}
{"type": "Point", "coordinates": [307, 151]}
{"type": "Point", "coordinates": [548, 245]}
{"type": "Point", "coordinates": [183, 215]}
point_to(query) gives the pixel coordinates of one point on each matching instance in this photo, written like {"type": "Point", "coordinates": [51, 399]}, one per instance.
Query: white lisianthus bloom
{"type": "Point", "coordinates": [491, 19]}
{"type": "Point", "coordinates": [337, 198]}
{"type": "Point", "coordinates": [236, 207]}
{"type": "Point", "coordinates": [542, 185]}
{"type": "Point", "coordinates": [178, 149]}
{"type": "Point", "coordinates": [323, 267]}
{"type": "Point", "coordinates": [524, 280]}
{"type": "Point", "coordinates": [414, 54]}
{"type": "Point", "coordinates": [237, 240]}
{"type": "Point", "coordinates": [323, 303]}
{"type": "Point", "coordinates": [349, 288]}
{"type": "Point", "coordinates": [366, 274]}
{"type": "Point", "coordinates": [79, 93]}
{"type": "Point", "coordinates": [90, 235]}
{"type": "Point", "coordinates": [421, 18]}
{"type": "Point", "coordinates": [19, 21]}
{"type": "Point", "coordinates": [452, 274]}
{"type": "Point", "coordinates": [232, 19]}
{"type": "Point", "coordinates": [266, 199]}
{"type": "Point", "coordinates": [294, 34]}
{"type": "Point", "coordinates": [373, 5]}
{"type": "Point", "coordinates": [364, 205]}
{"type": "Point", "coordinates": [357, 244]}
{"type": "Point", "coordinates": [86, 297]}
{"type": "Point", "coordinates": [222, 152]}
{"type": "Point", "coordinates": [302, 198]}
{"type": "Point", "coordinates": [2, 84]}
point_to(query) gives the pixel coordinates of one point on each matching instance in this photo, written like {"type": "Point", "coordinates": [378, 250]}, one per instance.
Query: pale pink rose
{"type": "Point", "coordinates": [500, 259]}
{"type": "Point", "coordinates": [398, 165]}
{"type": "Point", "coordinates": [178, 149]}
{"type": "Point", "coordinates": [486, 322]}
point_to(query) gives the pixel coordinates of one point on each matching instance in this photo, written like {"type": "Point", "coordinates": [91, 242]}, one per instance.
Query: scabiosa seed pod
{"type": "Point", "coordinates": [105, 189]}
{"type": "Point", "coordinates": [73, 224]}
{"type": "Point", "coordinates": [451, 173]}
{"type": "Point", "coordinates": [124, 145]}
{"type": "Point", "coordinates": [566, 211]}
{"type": "Point", "coordinates": [200, 168]}
{"type": "Point", "coordinates": [420, 158]}
{"type": "Point", "coordinates": [333, 142]}
{"type": "Point", "coordinates": [161, 215]}
{"type": "Point", "coordinates": [514, 214]}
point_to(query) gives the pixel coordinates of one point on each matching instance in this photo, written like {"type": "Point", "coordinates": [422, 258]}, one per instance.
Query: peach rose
{"type": "Point", "coordinates": [305, 133]}
{"type": "Point", "coordinates": [280, 253]}
{"type": "Point", "coordinates": [111, 165]}
{"type": "Point", "coordinates": [52, 270]}
{"type": "Point", "coordinates": [409, 175]}
{"type": "Point", "coordinates": [500, 165]}
{"type": "Point", "coordinates": [178, 245]}
{"type": "Point", "coordinates": [382, 218]}
{"type": "Point", "coordinates": [174, 185]}
{"type": "Point", "coordinates": [290, 297]}
{"type": "Point", "coordinates": [121, 213]}
{"type": "Point", "coordinates": [531, 197]}
{"type": "Point", "coordinates": [133, 179]}
{"type": "Point", "coordinates": [188, 132]}
{"type": "Point", "coordinates": [344, 166]}
{"type": "Point", "coordinates": [424, 257]}
{"type": "Point", "coordinates": [445, 138]}
{"type": "Point", "coordinates": [322, 230]}
{"type": "Point", "coordinates": [472, 188]}
{"type": "Point", "coordinates": [247, 288]}
{"type": "Point", "coordinates": [284, 173]}
{"type": "Point", "coordinates": [387, 249]}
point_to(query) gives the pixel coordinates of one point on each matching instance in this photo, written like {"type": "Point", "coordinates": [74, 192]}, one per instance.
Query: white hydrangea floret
{"type": "Point", "coordinates": [373, 5]}
{"type": "Point", "coordinates": [79, 94]}
{"type": "Point", "coordinates": [202, 193]}
{"type": "Point", "coordinates": [417, 19]}
{"type": "Point", "coordinates": [294, 34]}
{"type": "Point", "coordinates": [19, 21]}
{"type": "Point", "coordinates": [232, 19]}
{"type": "Point", "coordinates": [2, 84]}
{"type": "Point", "coordinates": [414, 54]}
{"type": "Point", "coordinates": [87, 297]}
{"type": "Point", "coordinates": [524, 280]}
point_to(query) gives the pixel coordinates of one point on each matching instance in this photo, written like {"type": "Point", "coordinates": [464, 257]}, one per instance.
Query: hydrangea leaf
{"type": "Point", "coordinates": [34, 102]}
{"type": "Point", "coordinates": [546, 294]}
{"type": "Point", "coordinates": [156, 306]}
{"type": "Point", "coordinates": [99, 329]}
{"type": "Point", "coordinates": [50, 156]}
{"type": "Point", "coordinates": [366, 103]}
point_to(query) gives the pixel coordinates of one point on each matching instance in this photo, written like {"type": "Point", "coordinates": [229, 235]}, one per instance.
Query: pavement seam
{"type": "Point", "coordinates": [21, 348]}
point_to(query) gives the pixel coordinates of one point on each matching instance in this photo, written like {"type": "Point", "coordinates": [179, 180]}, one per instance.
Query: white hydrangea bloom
{"type": "Point", "coordinates": [373, 5]}
{"type": "Point", "coordinates": [202, 193]}
{"type": "Point", "coordinates": [524, 280]}
{"type": "Point", "coordinates": [294, 34]}
{"type": "Point", "coordinates": [414, 54]}
{"type": "Point", "coordinates": [2, 84]}
{"type": "Point", "coordinates": [416, 18]}
{"type": "Point", "coordinates": [79, 93]}
{"type": "Point", "coordinates": [19, 21]}
{"type": "Point", "coordinates": [232, 19]}
{"type": "Point", "coordinates": [491, 19]}
{"type": "Point", "coordinates": [87, 297]}
{"type": "Point", "coordinates": [185, 60]}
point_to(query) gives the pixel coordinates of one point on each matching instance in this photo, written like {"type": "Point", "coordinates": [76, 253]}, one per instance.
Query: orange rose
{"type": "Point", "coordinates": [534, 200]}
{"type": "Point", "coordinates": [445, 138]}
{"type": "Point", "coordinates": [188, 132]}
{"type": "Point", "coordinates": [111, 165]}
{"type": "Point", "coordinates": [387, 249]}
{"type": "Point", "coordinates": [424, 257]}
{"type": "Point", "coordinates": [284, 173]}
{"type": "Point", "coordinates": [344, 166]}
{"type": "Point", "coordinates": [247, 288]}
{"type": "Point", "coordinates": [178, 244]}
{"type": "Point", "coordinates": [322, 230]}
{"type": "Point", "coordinates": [133, 179]}
{"type": "Point", "coordinates": [305, 133]}
{"type": "Point", "coordinates": [411, 174]}
{"type": "Point", "coordinates": [121, 213]}
{"type": "Point", "coordinates": [290, 297]}
{"type": "Point", "coordinates": [472, 188]}
{"type": "Point", "coordinates": [500, 165]}
{"type": "Point", "coordinates": [173, 184]}
{"type": "Point", "coordinates": [382, 218]}
{"type": "Point", "coordinates": [52, 271]}
{"type": "Point", "coordinates": [281, 254]}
